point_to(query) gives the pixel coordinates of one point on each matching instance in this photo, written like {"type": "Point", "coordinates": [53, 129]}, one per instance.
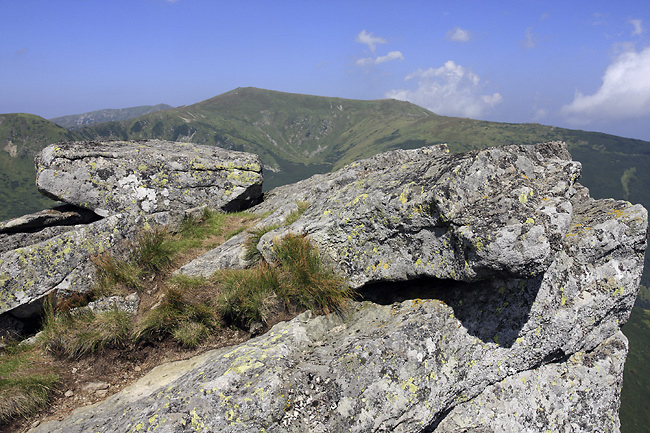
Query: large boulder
{"type": "Point", "coordinates": [112, 191]}
{"type": "Point", "coordinates": [148, 176]}
{"type": "Point", "coordinates": [498, 309]}
{"type": "Point", "coordinates": [61, 263]}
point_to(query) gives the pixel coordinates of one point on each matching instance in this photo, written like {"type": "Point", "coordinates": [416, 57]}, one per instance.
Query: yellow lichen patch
{"type": "Point", "coordinates": [530, 221]}
{"type": "Point", "coordinates": [564, 298]}
{"type": "Point", "coordinates": [412, 388]}
{"type": "Point", "coordinates": [196, 421]}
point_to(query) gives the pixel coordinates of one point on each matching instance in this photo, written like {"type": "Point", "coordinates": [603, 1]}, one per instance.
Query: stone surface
{"type": "Point", "coordinates": [36, 227]}
{"type": "Point", "coordinates": [580, 394]}
{"type": "Point", "coordinates": [148, 176]}
{"type": "Point", "coordinates": [62, 263]}
{"type": "Point", "coordinates": [231, 254]}
{"type": "Point", "coordinates": [495, 338]}
{"type": "Point", "coordinates": [57, 216]}
{"type": "Point", "coordinates": [425, 213]}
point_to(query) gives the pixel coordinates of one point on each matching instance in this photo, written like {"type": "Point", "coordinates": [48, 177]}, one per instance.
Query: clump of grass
{"type": "Point", "coordinates": [153, 253]}
{"type": "Point", "coordinates": [154, 250]}
{"type": "Point", "coordinates": [298, 279]}
{"type": "Point", "coordinates": [73, 334]}
{"type": "Point", "coordinates": [189, 321]}
{"type": "Point", "coordinates": [305, 279]}
{"type": "Point", "coordinates": [113, 274]}
{"type": "Point", "coordinates": [248, 295]}
{"type": "Point", "coordinates": [251, 253]}
{"type": "Point", "coordinates": [294, 215]}
{"type": "Point", "coordinates": [25, 385]}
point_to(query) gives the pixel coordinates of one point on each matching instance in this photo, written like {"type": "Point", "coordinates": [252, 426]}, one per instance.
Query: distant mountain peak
{"type": "Point", "coordinates": [75, 121]}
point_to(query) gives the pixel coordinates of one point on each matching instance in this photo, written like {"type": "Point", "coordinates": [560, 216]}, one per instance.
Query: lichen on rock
{"type": "Point", "coordinates": [495, 288]}
{"type": "Point", "coordinates": [148, 176]}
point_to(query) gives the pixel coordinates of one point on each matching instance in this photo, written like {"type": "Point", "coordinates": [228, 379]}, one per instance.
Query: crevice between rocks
{"type": "Point", "coordinates": [487, 309]}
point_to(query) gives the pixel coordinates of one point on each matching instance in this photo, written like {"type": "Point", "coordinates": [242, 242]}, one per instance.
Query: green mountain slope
{"type": "Point", "coordinates": [295, 135]}
{"type": "Point", "coordinates": [22, 136]}
{"type": "Point", "coordinates": [75, 121]}
{"type": "Point", "coordinates": [635, 395]}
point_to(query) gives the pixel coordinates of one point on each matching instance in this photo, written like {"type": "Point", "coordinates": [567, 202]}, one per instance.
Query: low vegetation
{"type": "Point", "coordinates": [26, 382]}
{"type": "Point", "coordinates": [187, 311]}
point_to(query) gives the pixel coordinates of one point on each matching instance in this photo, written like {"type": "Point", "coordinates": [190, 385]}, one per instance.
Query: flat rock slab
{"type": "Point", "coordinates": [148, 176]}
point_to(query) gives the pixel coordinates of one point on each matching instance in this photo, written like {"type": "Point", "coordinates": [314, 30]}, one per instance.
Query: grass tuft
{"type": "Point", "coordinates": [113, 274]}
{"type": "Point", "coordinates": [189, 321]}
{"type": "Point", "coordinates": [305, 278]}
{"type": "Point", "coordinates": [74, 334]}
{"type": "Point", "coordinates": [294, 215]}
{"type": "Point", "coordinates": [154, 250]}
{"type": "Point", "coordinates": [251, 253]}
{"type": "Point", "coordinates": [248, 295]}
{"type": "Point", "coordinates": [25, 385]}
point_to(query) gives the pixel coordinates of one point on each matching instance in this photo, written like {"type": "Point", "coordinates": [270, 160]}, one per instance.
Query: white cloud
{"type": "Point", "coordinates": [393, 55]}
{"type": "Point", "coordinates": [459, 35]}
{"type": "Point", "coordinates": [448, 90]}
{"type": "Point", "coordinates": [530, 40]}
{"type": "Point", "coordinates": [624, 93]}
{"type": "Point", "coordinates": [370, 40]}
{"type": "Point", "coordinates": [638, 27]}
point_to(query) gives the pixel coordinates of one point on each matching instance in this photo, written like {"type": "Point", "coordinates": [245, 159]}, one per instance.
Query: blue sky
{"type": "Point", "coordinates": [575, 64]}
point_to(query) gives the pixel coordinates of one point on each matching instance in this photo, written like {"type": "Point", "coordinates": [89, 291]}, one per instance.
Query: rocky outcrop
{"type": "Point", "coordinates": [113, 190]}
{"type": "Point", "coordinates": [494, 286]}
{"type": "Point", "coordinates": [148, 176]}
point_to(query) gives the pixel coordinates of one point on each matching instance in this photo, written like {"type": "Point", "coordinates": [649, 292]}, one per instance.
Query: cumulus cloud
{"type": "Point", "coordinates": [458, 35]}
{"type": "Point", "coordinates": [369, 39]}
{"type": "Point", "coordinates": [448, 90]}
{"type": "Point", "coordinates": [637, 27]}
{"type": "Point", "coordinates": [393, 55]}
{"type": "Point", "coordinates": [624, 93]}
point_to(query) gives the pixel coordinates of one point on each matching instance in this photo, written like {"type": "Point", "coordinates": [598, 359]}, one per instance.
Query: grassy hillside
{"type": "Point", "coordinates": [75, 121]}
{"type": "Point", "coordinates": [22, 136]}
{"type": "Point", "coordinates": [295, 135]}
{"type": "Point", "coordinates": [635, 396]}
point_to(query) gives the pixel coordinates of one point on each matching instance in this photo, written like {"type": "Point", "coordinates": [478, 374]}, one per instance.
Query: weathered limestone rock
{"type": "Point", "coordinates": [560, 390]}
{"type": "Point", "coordinates": [148, 176]}
{"type": "Point", "coordinates": [508, 324]}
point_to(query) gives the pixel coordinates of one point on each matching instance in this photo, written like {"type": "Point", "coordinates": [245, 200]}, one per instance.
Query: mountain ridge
{"type": "Point", "coordinates": [75, 121]}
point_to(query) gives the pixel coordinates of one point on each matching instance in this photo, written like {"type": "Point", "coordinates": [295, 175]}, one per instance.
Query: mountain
{"type": "Point", "coordinates": [299, 135]}
{"type": "Point", "coordinates": [295, 135]}
{"type": "Point", "coordinates": [75, 121]}
{"type": "Point", "coordinates": [22, 136]}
